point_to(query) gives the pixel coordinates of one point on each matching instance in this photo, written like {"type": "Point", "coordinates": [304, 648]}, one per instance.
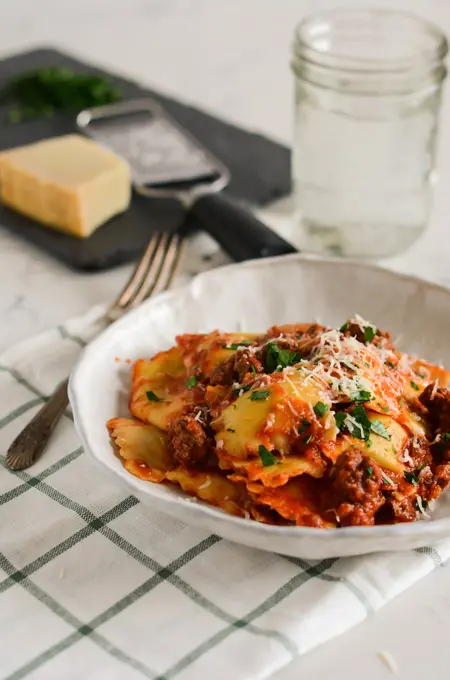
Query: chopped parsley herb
{"type": "Point", "coordinates": [411, 477]}
{"type": "Point", "coordinates": [277, 358]}
{"type": "Point", "coordinates": [244, 388]}
{"type": "Point", "coordinates": [389, 364]}
{"type": "Point", "coordinates": [308, 439]}
{"type": "Point", "coordinates": [253, 369]}
{"type": "Point", "coordinates": [230, 429]}
{"type": "Point", "coordinates": [234, 406]}
{"type": "Point", "coordinates": [420, 375]}
{"type": "Point", "coordinates": [151, 396]}
{"type": "Point", "coordinates": [383, 408]}
{"type": "Point", "coordinates": [344, 327]}
{"type": "Point", "coordinates": [387, 480]}
{"type": "Point", "coordinates": [259, 395]}
{"type": "Point", "coordinates": [366, 364]}
{"type": "Point", "coordinates": [320, 409]}
{"type": "Point", "coordinates": [236, 345]}
{"type": "Point", "coordinates": [414, 386]}
{"type": "Point", "coordinates": [378, 427]}
{"type": "Point", "coordinates": [361, 396]}
{"type": "Point", "coordinates": [445, 436]}
{"type": "Point", "coordinates": [369, 334]}
{"type": "Point", "coordinates": [304, 426]}
{"type": "Point", "coordinates": [192, 382]}
{"type": "Point", "coordinates": [369, 444]}
{"type": "Point", "coordinates": [267, 458]}
{"type": "Point", "coordinates": [355, 423]}
{"type": "Point", "coordinates": [369, 471]}
{"type": "Point", "coordinates": [423, 503]}
{"type": "Point", "coordinates": [351, 367]}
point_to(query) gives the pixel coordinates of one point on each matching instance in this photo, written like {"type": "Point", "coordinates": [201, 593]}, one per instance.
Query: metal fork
{"type": "Point", "coordinates": [153, 273]}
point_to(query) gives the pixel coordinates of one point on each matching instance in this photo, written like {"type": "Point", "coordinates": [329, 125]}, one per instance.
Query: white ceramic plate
{"type": "Point", "coordinates": [252, 297]}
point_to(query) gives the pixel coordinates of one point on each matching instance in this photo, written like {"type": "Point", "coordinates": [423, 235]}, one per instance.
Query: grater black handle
{"type": "Point", "coordinates": [236, 230]}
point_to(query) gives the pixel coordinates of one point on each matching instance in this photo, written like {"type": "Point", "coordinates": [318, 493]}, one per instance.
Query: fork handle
{"type": "Point", "coordinates": [29, 445]}
{"type": "Point", "coordinates": [236, 230]}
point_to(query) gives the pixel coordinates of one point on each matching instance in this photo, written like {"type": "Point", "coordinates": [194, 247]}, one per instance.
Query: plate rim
{"type": "Point", "coordinates": [200, 508]}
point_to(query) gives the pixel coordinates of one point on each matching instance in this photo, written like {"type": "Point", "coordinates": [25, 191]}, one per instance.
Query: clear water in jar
{"type": "Point", "coordinates": [362, 182]}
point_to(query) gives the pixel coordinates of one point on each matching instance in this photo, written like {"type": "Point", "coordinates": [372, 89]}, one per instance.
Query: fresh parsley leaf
{"type": "Point", "coordinates": [445, 436]}
{"type": "Point", "coordinates": [414, 386]}
{"type": "Point", "coordinates": [339, 419]}
{"type": "Point", "coordinates": [277, 358]}
{"type": "Point", "coordinates": [369, 471]}
{"type": "Point", "coordinates": [192, 382]}
{"type": "Point", "coordinates": [424, 504]}
{"type": "Point", "coordinates": [151, 396]}
{"type": "Point", "coordinates": [304, 426]}
{"type": "Point", "coordinates": [411, 477]}
{"type": "Point", "coordinates": [267, 458]}
{"type": "Point", "coordinates": [378, 427]}
{"type": "Point", "coordinates": [230, 429]}
{"type": "Point", "coordinates": [369, 334]}
{"type": "Point", "coordinates": [344, 327]}
{"type": "Point", "coordinates": [259, 395]}
{"type": "Point", "coordinates": [253, 369]}
{"type": "Point", "coordinates": [320, 409]}
{"type": "Point", "coordinates": [369, 444]}
{"type": "Point", "coordinates": [389, 481]}
{"type": "Point", "coordinates": [308, 439]}
{"type": "Point", "coordinates": [361, 396]}
{"type": "Point", "coordinates": [355, 423]}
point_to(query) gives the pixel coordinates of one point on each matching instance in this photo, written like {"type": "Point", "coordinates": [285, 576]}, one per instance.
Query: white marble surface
{"type": "Point", "coordinates": [231, 57]}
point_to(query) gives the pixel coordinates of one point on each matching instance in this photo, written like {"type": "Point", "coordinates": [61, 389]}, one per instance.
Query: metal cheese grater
{"type": "Point", "coordinates": [167, 162]}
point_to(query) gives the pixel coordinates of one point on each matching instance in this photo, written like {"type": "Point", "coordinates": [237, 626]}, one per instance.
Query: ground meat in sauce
{"type": "Point", "coordinates": [354, 490]}
{"type": "Point", "coordinates": [402, 506]}
{"type": "Point", "coordinates": [234, 369]}
{"type": "Point", "coordinates": [437, 401]}
{"type": "Point", "coordinates": [380, 339]}
{"type": "Point", "coordinates": [187, 440]}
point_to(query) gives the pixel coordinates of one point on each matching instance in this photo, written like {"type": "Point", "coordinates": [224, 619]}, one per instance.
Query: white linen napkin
{"type": "Point", "coordinates": [95, 585]}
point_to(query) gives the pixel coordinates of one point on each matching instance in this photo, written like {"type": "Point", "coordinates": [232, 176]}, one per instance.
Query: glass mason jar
{"type": "Point", "coordinates": [367, 96]}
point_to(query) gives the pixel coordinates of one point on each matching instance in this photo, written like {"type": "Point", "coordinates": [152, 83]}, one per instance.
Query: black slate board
{"type": "Point", "coordinates": [260, 171]}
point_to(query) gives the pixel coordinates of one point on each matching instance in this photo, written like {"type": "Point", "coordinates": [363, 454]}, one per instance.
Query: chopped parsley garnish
{"type": "Point", "coordinates": [267, 458]}
{"type": "Point", "coordinates": [236, 345]}
{"type": "Point", "coordinates": [369, 471]}
{"type": "Point", "coordinates": [351, 367]}
{"type": "Point", "coordinates": [361, 396]}
{"type": "Point", "coordinates": [344, 327]}
{"type": "Point", "coordinates": [320, 409]}
{"type": "Point", "coordinates": [387, 480]}
{"type": "Point", "coordinates": [151, 396]}
{"type": "Point", "coordinates": [259, 395]}
{"type": "Point", "coordinates": [389, 364]}
{"type": "Point", "coordinates": [421, 505]}
{"type": "Point", "coordinates": [445, 436]}
{"type": "Point", "coordinates": [308, 439]}
{"type": "Point", "coordinates": [304, 426]}
{"type": "Point", "coordinates": [277, 358]}
{"type": "Point", "coordinates": [240, 388]}
{"type": "Point", "coordinates": [411, 477]}
{"type": "Point", "coordinates": [369, 334]}
{"type": "Point", "coordinates": [253, 369]}
{"type": "Point", "coordinates": [192, 382]}
{"type": "Point", "coordinates": [414, 386]}
{"type": "Point", "coordinates": [379, 429]}
{"type": "Point", "coordinates": [369, 444]}
{"type": "Point", "coordinates": [420, 375]}
{"type": "Point", "coordinates": [355, 423]}
{"type": "Point", "coordinates": [230, 429]}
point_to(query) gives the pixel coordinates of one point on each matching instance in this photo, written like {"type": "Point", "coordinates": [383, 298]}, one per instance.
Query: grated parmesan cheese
{"type": "Point", "coordinates": [434, 390]}
{"type": "Point", "coordinates": [387, 658]}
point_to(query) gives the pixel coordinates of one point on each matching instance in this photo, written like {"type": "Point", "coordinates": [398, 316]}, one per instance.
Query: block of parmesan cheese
{"type": "Point", "coordinates": [68, 183]}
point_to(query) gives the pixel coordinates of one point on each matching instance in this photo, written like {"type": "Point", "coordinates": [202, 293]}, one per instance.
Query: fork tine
{"type": "Point", "coordinates": [134, 282]}
{"type": "Point", "coordinates": [162, 270]}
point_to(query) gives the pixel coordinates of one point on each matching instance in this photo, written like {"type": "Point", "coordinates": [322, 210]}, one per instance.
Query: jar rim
{"type": "Point", "coordinates": [317, 26]}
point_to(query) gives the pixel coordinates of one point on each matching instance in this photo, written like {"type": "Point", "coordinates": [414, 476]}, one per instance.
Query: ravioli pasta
{"type": "Point", "coordinates": [303, 424]}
